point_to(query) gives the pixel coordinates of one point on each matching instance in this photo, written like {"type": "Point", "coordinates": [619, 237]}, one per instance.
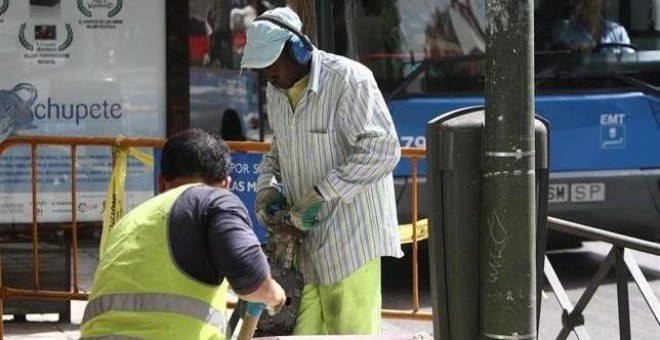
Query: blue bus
{"type": "Point", "coordinates": [603, 105]}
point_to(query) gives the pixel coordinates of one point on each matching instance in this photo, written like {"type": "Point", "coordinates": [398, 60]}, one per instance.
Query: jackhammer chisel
{"type": "Point", "coordinates": [280, 248]}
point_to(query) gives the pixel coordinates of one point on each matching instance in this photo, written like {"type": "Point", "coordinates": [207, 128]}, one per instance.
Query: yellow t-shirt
{"type": "Point", "coordinates": [296, 91]}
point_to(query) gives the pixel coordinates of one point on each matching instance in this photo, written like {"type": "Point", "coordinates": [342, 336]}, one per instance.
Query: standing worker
{"type": "Point", "coordinates": [162, 275]}
{"type": "Point", "coordinates": [333, 152]}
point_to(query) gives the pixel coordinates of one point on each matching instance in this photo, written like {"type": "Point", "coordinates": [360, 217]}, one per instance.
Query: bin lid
{"type": "Point", "coordinates": [455, 140]}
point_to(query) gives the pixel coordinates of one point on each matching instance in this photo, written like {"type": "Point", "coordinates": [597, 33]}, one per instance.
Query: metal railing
{"type": "Point", "coordinates": [75, 142]}
{"type": "Point", "coordinates": [618, 259]}
{"type": "Point", "coordinates": [414, 313]}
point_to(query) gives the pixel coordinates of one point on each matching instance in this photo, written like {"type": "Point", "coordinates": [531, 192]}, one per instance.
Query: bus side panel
{"type": "Point", "coordinates": [587, 132]}
{"type": "Point", "coordinates": [410, 117]}
{"type": "Point", "coordinates": [601, 132]}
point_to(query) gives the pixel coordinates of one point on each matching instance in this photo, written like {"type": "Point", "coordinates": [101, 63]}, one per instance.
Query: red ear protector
{"type": "Point", "coordinates": [301, 46]}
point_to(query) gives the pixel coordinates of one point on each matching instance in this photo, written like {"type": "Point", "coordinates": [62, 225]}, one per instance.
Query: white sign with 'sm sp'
{"type": "Point", "coordinates": [576, 192]}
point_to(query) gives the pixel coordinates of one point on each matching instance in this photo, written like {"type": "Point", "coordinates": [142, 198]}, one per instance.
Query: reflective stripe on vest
{"type": "Point", "coordinates": [154, 302]}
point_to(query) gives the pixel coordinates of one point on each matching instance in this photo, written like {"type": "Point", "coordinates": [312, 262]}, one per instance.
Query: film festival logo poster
{"type": "Point", "coordinates": [47, 42]}
{"type": "Point", "coordinates": [100, 14]}
{"type": "Point", "coordinates": [43, 39]}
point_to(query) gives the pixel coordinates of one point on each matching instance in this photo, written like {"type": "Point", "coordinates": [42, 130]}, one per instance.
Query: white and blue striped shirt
{"type": "Point", "coordinates": [341, 139]}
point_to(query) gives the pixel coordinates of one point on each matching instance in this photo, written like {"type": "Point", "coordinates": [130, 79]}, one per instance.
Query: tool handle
{"type": "Point", "coordinates": [250, 320]}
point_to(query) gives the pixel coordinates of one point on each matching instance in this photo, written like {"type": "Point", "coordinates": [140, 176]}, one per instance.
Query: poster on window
{"type": "Point", "coordinates": [77, 68]}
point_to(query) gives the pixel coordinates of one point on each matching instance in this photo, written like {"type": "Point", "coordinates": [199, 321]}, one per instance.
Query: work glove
{"type": "Point", "coordinates": [303, 213]}
{"type": "Point", "coordinates": [268, 201]}
{"type": "Point", "coordinates": [280, 223]}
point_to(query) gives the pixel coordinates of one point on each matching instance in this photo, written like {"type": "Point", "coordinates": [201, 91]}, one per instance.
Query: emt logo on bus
{"type": "Point", "coordinates": [612, 131]}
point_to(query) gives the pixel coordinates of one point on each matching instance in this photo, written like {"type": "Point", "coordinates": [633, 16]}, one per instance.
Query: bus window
{"type": "Point", "coordinates": [394, 38]}
{"type": "Point", "coordinates": [437, 47]}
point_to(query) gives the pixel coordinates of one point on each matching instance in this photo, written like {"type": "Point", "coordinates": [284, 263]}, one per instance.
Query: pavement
{"type": "Point", "coordinates": [47, 326]}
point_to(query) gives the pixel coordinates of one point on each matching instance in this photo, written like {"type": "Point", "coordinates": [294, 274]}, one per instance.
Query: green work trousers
{"type": "Point", "coordinates": [349, 307]}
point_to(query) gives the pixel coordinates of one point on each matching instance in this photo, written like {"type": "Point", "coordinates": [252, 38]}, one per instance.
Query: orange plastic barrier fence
{"type": "Point", "coordinates": [74, 142]}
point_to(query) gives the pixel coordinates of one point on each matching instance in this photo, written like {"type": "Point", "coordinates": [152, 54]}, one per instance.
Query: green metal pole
{"type": "Point", "coordinates": [508, 226]}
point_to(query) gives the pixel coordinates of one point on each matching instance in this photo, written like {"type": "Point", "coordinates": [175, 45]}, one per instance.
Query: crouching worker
{"type": "Point", "coordinates": [162, 275]}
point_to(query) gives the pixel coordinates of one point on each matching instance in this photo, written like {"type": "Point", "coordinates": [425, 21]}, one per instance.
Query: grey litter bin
{"type": "Point", "coordinates": [454, 160]}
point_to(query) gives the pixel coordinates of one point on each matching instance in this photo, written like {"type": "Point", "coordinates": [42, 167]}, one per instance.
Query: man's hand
{"type": "Point", "coordinates": [303, 213]}
{"type": "Point", "coordinates": [268, 201]}
{"type": "Point", "coordinates": [278, 301]}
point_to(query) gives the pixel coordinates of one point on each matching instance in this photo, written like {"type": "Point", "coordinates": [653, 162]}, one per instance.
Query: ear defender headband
{"type": "Point", "coordinates": [301, 46]}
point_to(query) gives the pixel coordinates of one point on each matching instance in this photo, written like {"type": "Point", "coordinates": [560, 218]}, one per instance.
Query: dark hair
{"type": "Point", "coordinates": [195, 152]}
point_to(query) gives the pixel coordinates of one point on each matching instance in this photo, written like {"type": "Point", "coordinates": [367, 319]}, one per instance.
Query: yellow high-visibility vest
{"type": "Point", "coordinates": [140, 292]}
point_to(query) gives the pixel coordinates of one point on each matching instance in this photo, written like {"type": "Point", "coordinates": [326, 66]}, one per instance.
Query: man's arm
{"type": "Point", "coordinates": [269, 196]}
{"type": "Point", "coordinates": [237, 254]}
{"type": "Point", "coordinates": [366, 121]}
{"type": "Point", "coordinates": [269, 293]}
{"type": "Point", "coordinates": [269, 168]}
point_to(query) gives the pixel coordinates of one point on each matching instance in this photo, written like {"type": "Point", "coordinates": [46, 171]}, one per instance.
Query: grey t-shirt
{"type": "Point", "coordinates": [211, 238]}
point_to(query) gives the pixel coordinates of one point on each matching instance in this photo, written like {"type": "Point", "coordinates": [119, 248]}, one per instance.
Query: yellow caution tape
{"type": "Point", "coordinates": [113, 207]}
{"type": "Point", "coordinates": [406, 231]}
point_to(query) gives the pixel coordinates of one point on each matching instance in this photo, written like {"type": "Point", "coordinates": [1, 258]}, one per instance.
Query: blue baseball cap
{"type": "Point", "coordinates": [266, 40]}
